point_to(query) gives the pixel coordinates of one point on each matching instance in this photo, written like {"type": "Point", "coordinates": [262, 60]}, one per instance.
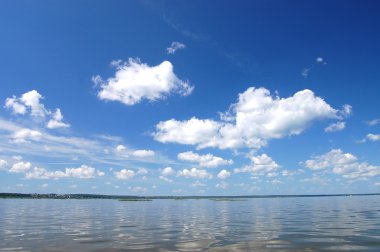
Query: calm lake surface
{"type": "Point", "coordinates": [266, 224]}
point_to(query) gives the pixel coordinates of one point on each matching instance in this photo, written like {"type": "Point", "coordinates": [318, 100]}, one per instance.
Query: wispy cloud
{"type": "Point", "coordinates": [318, 61]}
{"type": "Point", "coordinates": [175, 46]}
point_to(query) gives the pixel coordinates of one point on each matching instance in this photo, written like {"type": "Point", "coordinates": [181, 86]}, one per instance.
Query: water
{"type": "Point", "coordinates": [269, 224]}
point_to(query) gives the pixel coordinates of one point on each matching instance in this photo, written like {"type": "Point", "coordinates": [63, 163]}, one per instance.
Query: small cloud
{"type": "Point", "coordinates": [207, 160]}
{"type": "Point", "coordinates": [143, 153]}
{"type": "Point", "coordinates": [320, 60]}
{"type": "Point", "coordinates": [223, 174]}
{"type": "Point", "coordinates": [373, 122]}
{"type": "Point", "coordinates": [167, 171]}
{"type": "Point", "coordinates": [222, 185]}
{"type": "Point", "coordinates": [338, 126]}
{"type": "Point", "coordinates": [165, 179]}
{"type": "Point", "coordinates": [56, 120]}
{"type": "Point", "coordinates": [120, 148]}
{"type": "Point", "coordinates": [195, 173]}
{"type": "Point", "coordinates": [373, 137]}
{"type": "Point", "coordinates": [124, 174]}
{"type": "Point", "coordinates": [346, 110]}
{"type": "Point", "coordinates": [174, 47]}
{"type": "Point", "coordinates": [305, 72]}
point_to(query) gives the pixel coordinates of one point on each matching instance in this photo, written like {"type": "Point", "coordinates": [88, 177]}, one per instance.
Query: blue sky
{"type": "Point", "coordinates": [189, 98]}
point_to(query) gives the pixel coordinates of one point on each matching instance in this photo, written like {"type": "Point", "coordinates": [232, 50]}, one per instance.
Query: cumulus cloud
{"type": "Point", "coordinates": [207, 160]}
{"type": "Point", "coordinates": [135, 81]}
{"type": "Point", "coordinates": [174, 47]}
{"type": "Point", "coordinates": [223, 174]}
{"type": "Point", "coordinates": [195, 173]}
{"type": "Point", "coordinates": [260, 165]}
{"type": "Point", "coordinates": [24, 135]}
{"type": "Point", "coordinates": [31, 102]}
{"type": "Point", "coordinates": [124, 174]}
{"type": "Point", "coordinates": [16, 107]}
{"type": "Point", "coordinates": [373, 137]}
{"type": "Point", "coordinates": [192, 132]}
{"type": "Point", "coordinates": [56, 121]}
{"type": "Point", "coordinates": [82, 172]}
{"type": "Point", "coordinates": [167, 171]}
{"type": "Point", "coordinates": [345, 164]}
{"type": "Point", "coordinates": [143, 153]}
{"type": "Point", "coordinates": [338, 126]}
{"type": "Point", "coordinates": [122, 150]}
{"type": "Point", "coordinates": [3, 164]}
{"type": "Point", "coordinates": [256, 118]}
{"type": "Point", "coordinates": [20, 167]}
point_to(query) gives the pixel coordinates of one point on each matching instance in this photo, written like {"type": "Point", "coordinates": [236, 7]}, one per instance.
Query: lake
{"type": "Point", "coordinates": [257, 224]}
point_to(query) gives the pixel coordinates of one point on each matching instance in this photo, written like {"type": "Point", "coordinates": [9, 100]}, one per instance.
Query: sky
{"type": "Point", "coordinates": [190, 97]}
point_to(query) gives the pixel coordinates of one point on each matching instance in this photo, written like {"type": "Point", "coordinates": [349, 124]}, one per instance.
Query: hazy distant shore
{"type": "Point", "coordinates": [136, 198]}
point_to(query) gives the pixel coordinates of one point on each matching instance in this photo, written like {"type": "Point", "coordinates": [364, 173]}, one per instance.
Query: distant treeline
{"type": "Point", "coordinates": [120, 197]}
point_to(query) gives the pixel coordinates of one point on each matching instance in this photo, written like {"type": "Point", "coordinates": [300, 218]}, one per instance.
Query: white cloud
{"type": "Point", "coordinates": [24, 135]}
{"type": "Point", "coordinates": [256, 118]}
{"type": "Point", "coordinates": [142, 171]}
{"type": "Point", "coordinates": [143, 153]}
{"type": "Point", "coordinates": [20, 167]}
{"type": "Point", "coordinates": [41, 173]}
{"type": "Point", "coordinates": [3, 164]}
{"type": "Point", "coordinates": [100, 173]}
{"type": "Point", "coordinates": [223, 174]}
{"type": "Point", "coordinates": [165, 179]}
{"type": "Point", "coordinates": [207, 160]}
{"type": "Point", "coordinates": [31, 101]}
{"type": "Point", "coordinates": [305, 72]}
{"type": "Point", "coordinates": [373, 137]}
{"type": "Point", "coordinates": [124, 174]}
{"type": "Point", "coordinates": [194, 132]}
{"type": "Point", "coordinates": [56, 121]}
{"type": "Point", "coordinates": [195, 173]}
{"type": "Point", "coordinates": [15, 106]}
{"type": "Point", "coordinates": [137, 189]}
{"type": "Point", "coordinates": [333, 127]}
{"type": "Point", "coordinates": [260, 165]}
{"type": "Point", "coordinates": [275, 181]}
{"type": "Point", "coordinates": [346, 110]}
{"type": "Point", "coordinates": [198, 184]}
{"type": "Point", "coordinates": [120, 148]}
{"type": "Point", "coordinates": [319, 60]}
{"type": "Point", "coordinates": [82, 172]}
{"type": "Point", "coordinates": [135, 81]}
{"type": "Point", "coordinates": [45, 185]}
{"type": "Point", "coordinates": [373, 122]}
{"type": "Point", "coordinates": [174, 47]}
{"type": "Point", "coordinates": [344, 164]}
{"type": "Point", "coordinates": [167, 171]}
{"type": "Point", "coordinates": [222, 185]}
